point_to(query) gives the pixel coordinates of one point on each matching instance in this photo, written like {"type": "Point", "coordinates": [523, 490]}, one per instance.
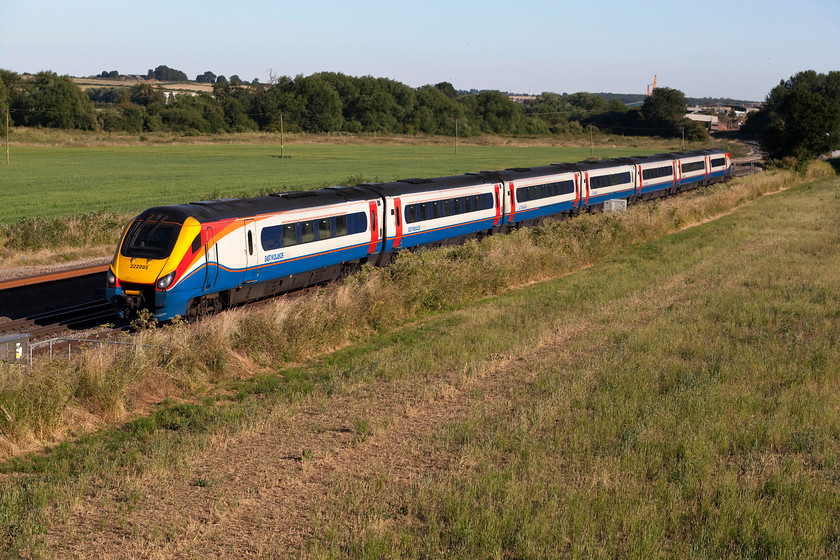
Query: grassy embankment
{"type": "Point", "coordinates": [675, 405]}
{"type": "Point", "coordinates": [68, 195]}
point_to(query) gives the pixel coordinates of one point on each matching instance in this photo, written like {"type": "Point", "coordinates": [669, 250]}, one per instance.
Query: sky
{"type": "Point", "coordinates": [736, 49]}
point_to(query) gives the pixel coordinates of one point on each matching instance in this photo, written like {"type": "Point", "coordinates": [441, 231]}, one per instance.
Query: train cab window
{"type": "Point", "coordinates": [151, 237]}
{"type": "Point", "coordinates": [307, 231]}
{"type": "Point", "coordinates": [290, 236]}
{"type": "Point", "coordinates": [196, 243]}
{"type": "Point", "coordinates": [324, 228]}
{"type": "Point", "coordinates": [340, 226]}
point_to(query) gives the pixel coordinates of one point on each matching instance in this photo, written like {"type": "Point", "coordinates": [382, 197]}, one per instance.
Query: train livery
{"type": "Point", "coordinates": [195, 259]}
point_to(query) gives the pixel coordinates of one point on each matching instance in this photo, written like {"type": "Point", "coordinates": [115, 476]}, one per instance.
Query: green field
{"type": "Point", "coordinates": [51, 182]}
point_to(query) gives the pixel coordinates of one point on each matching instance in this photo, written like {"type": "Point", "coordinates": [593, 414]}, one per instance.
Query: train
{"type": "Point", "coordinates": [192, 260]}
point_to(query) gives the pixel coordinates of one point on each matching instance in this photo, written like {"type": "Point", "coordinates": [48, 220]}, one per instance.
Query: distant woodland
{"type": "Point", "coordinates": [326, 102]}
{"type": "Point", "coordinates": [800, 117]}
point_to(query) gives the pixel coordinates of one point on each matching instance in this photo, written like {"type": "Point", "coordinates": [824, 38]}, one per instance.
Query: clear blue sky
{"type": "Point", "coordinates": [738, 49]}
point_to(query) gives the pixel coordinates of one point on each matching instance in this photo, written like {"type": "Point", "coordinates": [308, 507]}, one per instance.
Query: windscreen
{"type": "Point", "coordinates": [150, 237]}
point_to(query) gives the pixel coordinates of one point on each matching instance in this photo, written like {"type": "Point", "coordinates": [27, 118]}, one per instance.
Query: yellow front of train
{"type": "Point", "coordinates": [146, 273]}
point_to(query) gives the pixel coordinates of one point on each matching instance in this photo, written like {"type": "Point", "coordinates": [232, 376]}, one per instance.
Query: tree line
{"type": "Point", "coordinates": [328, 102]}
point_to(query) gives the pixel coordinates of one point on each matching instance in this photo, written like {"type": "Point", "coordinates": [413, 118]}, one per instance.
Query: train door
{"type": "Point", "coordinates": [211, 260]}
{"type": "Point", "coordinates": [375, 226]}
{"type": "Point", "coordinates": [398, 226]}
{"type": "Point", "coordinates": [252, 252]}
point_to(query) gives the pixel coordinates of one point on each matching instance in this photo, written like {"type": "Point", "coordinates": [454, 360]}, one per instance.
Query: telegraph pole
{"type": "Point", "coordinates": [7, 136]}
{"type": "Point", "coordinates": [456, 136]}
{"type": "Point", "coordinates": [281, 135]}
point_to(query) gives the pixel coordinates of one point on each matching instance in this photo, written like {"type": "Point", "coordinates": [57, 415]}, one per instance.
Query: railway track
{"type": "Point", "coordinates": [27, 281]}
{"type": "Point", "coordinates": [51, 323]}
{"type": "Point", "coordinates": [55, 304]}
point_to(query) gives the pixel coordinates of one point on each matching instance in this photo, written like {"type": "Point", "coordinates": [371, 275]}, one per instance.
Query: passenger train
{"type": "Point", "coordinates": [194, 259]}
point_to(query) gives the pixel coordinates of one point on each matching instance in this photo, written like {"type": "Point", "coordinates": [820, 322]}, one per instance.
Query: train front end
{"type": "Point", "coordinates": [147, 266]}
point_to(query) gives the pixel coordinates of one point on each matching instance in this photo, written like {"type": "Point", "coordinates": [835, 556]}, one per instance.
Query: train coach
{"type": "Point", "coordinates": [195, 259]}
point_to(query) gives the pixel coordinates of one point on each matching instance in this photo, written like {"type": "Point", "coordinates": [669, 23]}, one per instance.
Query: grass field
{"type": "Point", "coordinates": [674, 398]}
{"type": "Point", "coordinates": [56, 182]}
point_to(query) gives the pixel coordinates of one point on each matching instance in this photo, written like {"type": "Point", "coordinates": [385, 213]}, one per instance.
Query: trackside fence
{"type": "Point", "coordinates": [64, 347]}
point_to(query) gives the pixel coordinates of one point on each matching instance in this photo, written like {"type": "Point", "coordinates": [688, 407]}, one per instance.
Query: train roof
{"type": "Point", "coordinates": [213, 210]}
{"type": "Point", "coordinates": [411, 186]}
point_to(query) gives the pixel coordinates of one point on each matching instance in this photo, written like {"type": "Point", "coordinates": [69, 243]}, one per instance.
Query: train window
{"type": "Point", "coordinates": [609, 180]}
{"type": "Point", "coordinates": [324, 229]}
{"type": "Point", "coordinates": [435, 213]}
{"type": "Point", "coordinates": [468, 207]}
{"type": "Point", "coordinates": [290, 235]}
{"type": "Point", "coordinates": [423, 211]}
{"type": "Point", "coordinates": [657, 172]}
{"type": "Point", "coordinates": [150, 238]}
{"type": "Point", "coordinates": [340, 226]}
{"type": "Point", "coordinates": [719, 162]}
{"type": "Point", "coordinates": [693, 166]}
{"type": "Point", "coordinates": [271, 238]}
{"type": "Point", "coordinates": [447, 207]}
{"type": "Point", "coordinates": [457, 206]}
{"type": "Point", "coordinates": [250, 243]}
{"type": "Point", "coordinates": [411, 213]}
{"type": "Point", "coordinates": [196, 244]}
{"type": "Point", "coordinates": [567, 187]}
{"type": "Point", "coordinates": [356, 223]}
{"type": "Point", "coordinates": [488, 201]}
{"type": "Point", "coordinates": [307, 231]}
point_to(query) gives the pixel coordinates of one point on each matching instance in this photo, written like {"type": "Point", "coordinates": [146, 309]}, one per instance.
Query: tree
{"type": "Point", "coordinates": [164, 73]}
{"type": "Point", "coordinates": [4, 96]}
{"type": "Point", "coordinates": [148, 96]}
{"type": "Point", "coordinates": [800, 117]}
{"type": "Point", "coordinates": [206, 78]}
{"type": "Point", "coordinates": [494, 112]}
{"type": "Point", "coordinates": [320, 106]}
{"type": "Point", "coordinates": [447, 89]}
{"type": "Point", "coordinates": [665, 109]}
{"type": "Point", "coordinates": [56, 102]}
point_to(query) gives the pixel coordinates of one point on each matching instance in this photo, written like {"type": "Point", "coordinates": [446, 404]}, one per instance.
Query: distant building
{"type": "Point", "coordinates": [522, 98]}
{"type": "Point", "coordinates": [712, 121]}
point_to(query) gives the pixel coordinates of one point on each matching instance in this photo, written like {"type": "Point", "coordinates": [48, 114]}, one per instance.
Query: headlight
{"type": "Point", "coordinates": [165, 281]}
{"type": "Point", "coordinates": [111, 279]}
